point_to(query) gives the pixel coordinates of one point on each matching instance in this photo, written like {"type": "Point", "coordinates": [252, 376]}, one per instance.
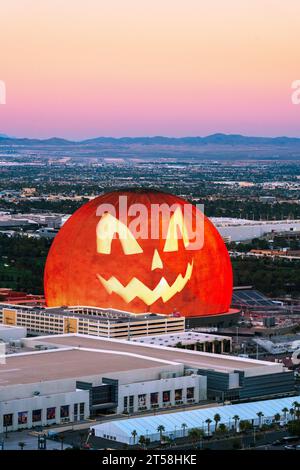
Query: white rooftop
{"type": "Point", "coordinates": [172, 422]}
{"type": "Point", "coordinates": [186, 337]}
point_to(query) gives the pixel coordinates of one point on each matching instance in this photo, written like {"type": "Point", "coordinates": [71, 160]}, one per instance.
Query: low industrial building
{"type": "Point", "coordinates": [91, 321]}
{"type": "Point", "coordinates": [70, 377]}
{"type": "Point", "coordinates": [244, 229]}
{"type": "Point", "coordinates": [56, 382]}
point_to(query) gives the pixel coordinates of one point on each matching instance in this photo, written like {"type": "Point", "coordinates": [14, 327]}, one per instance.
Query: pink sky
{"type": "Point", "coordinates": [85, 68]}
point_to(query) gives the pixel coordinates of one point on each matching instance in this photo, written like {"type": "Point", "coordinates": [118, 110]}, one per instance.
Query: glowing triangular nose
{"type": "Point", "coordinates": [156, 261]}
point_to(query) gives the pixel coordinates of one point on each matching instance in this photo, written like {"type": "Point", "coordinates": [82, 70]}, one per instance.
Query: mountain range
{"type": "Point", "coordinates": [212, 147]}
{"type": "Point", "coordinates": [218, 139]}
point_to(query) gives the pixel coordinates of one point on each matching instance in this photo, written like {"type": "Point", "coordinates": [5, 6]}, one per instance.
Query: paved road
{"type": "Point", "coordinates": [31, 442]}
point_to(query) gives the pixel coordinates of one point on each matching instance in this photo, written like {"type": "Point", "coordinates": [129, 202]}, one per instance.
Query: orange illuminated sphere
{"type": "Point", "coordinates": [151, 262]}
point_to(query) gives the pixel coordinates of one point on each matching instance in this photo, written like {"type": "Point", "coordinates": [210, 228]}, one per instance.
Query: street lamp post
{"type": "Point", "coordinates": [237, 339]}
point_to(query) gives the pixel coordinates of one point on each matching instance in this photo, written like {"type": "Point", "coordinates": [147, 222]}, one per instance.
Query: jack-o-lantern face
{"type": "Point", "coordinates": [98, 260]}
{"type": "Point", "coordinates": [109, 226]}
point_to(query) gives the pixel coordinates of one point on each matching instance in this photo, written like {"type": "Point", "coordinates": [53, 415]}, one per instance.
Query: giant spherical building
{"type": "Point", "coordinates": [140, 251]}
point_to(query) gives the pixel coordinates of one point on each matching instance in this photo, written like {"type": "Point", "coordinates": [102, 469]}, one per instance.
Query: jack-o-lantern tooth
{"type": "Point", "coordinates": [136, 288]}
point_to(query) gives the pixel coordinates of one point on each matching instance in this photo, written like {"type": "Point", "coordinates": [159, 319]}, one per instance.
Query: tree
{"type": "Point", "coordinates": [285, 410]}
{"type": "Point", "coordinates": [161, 429]}
{"type": "Point", "coordinates": [294, 428]}
{"type": "Point", "coordinates": [217, 419]}
{"type": "Point", "coordinates": [21, 444]}
{"type": "Point", "coordinates": [134, 434]}
{"type": "Point", "coordinates": [184, 426]}
{"type": "Point", "coordinates": [222, 428]}
{"type": "Point", "coordinates": [245, 425]}
{"type": "Point", "coordinates": [296, 404]}
{"type": "Point", "coordinates": [208, 422]}
{"type": "Point", "coordinates": [277, 418]}
{"type": "Point", "coordinates": [195, 434]}
{"type": "Point", "coordinates": [292, 413]}
{"type": "Point", "coordinates": [142, 441]}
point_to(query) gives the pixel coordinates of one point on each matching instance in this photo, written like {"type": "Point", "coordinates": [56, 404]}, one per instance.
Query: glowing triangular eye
{"type": "Point", "coordinates": [176, 223]}
{"type": "Point", "coordinates": [106, 229]}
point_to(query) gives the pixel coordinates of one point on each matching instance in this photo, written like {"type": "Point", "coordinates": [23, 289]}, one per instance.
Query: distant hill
{"type": "Point", "coordinates": [215, 146]}
{"type": "Point", "coordinates": [219, 139]}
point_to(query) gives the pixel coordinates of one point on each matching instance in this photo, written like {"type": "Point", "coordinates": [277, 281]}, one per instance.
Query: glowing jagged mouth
{"type": "Point", "coordinates": [136, 288]}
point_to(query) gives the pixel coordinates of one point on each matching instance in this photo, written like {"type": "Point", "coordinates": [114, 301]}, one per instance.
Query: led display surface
{"type": "Point", "coordinates": [150, 262]}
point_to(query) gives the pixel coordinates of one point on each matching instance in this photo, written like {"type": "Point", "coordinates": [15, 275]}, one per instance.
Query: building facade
{"type": "Point", "coordinates": [88, 320]}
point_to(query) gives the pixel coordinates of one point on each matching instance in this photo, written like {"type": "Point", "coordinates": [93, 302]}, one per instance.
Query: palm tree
{"type": "Point", "coordinates": [260, 416]}
{"type": "Point", "coordinates": [217, 419]}
{"type": "Point", "coordinates": [161, 429]}
{"type": "Point", "coordinates": [21, 445]}
{"type": "Point", "coordinates": [184, 426]}
{"type": "Point", "coordinates": [208, 422]}
{"type": "Point", "coordinates": [277, 417]}
{"type": "Point", "coordinates": [292, 413]}
{"type": "Point", "coordinates": [244, 425]}
{"type": "Point", "coordinates": [285, 410]}
{"type": "Point", "coordinates": [236, 419]}
{"type": "Point", "coordinates": [222, 428]}
{"type": "Point", "coordinates": [296, 406]}
{"type": "Point", "coordinates": [297, 413]}
{"type": "Point", "coordinates": [134, 434]}
{"type": "Point", "coordinates": [142, 441]}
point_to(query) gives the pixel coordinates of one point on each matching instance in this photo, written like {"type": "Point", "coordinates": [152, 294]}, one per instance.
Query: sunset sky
{"type": "Point", "coordinates": [87, 68]}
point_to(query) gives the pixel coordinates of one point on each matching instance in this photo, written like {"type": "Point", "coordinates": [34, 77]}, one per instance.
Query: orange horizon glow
{"type": "Point", "coordinates": [129, 68]}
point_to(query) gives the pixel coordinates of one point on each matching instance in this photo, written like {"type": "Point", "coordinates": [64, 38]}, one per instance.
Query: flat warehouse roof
{"type": "Point", "coordinates": [192, 359]}
{"type": "Point", "coordinates": [62, 364]}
